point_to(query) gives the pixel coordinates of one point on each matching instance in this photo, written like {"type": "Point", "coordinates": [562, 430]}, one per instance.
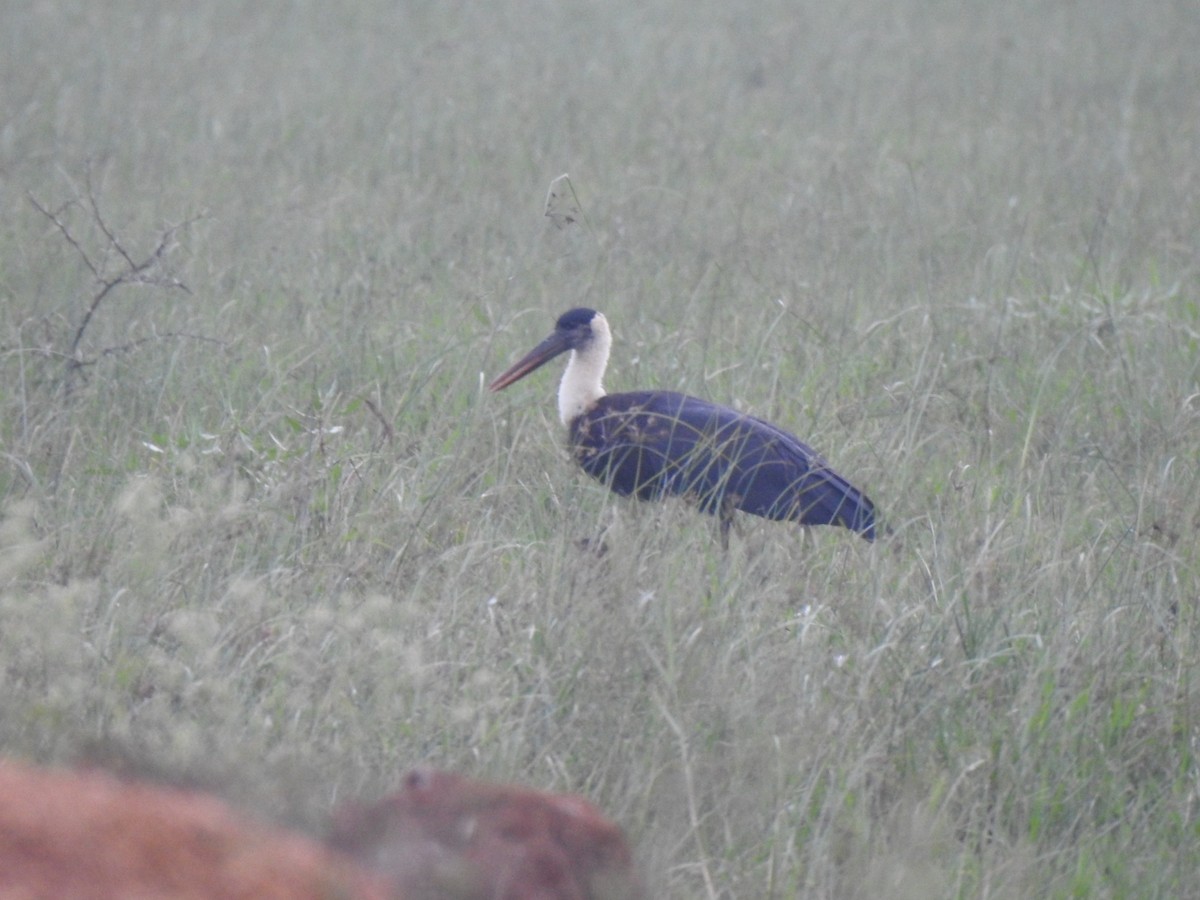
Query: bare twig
{"type": "Point", "coordinates": [55, 217]}
{"type": "Point", "coordinates": [147, 271]}
{"type": "Point", "coordinates": [166, 335]}
{"type": "Point", "coordinates": [112, 238]}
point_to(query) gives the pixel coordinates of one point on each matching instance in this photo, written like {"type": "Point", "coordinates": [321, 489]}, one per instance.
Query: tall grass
{"type": "Point", "coordinates": [272, 531]}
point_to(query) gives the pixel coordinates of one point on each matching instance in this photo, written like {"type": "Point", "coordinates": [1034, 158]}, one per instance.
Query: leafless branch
{"type": "Point", "coordinates": [55, 216]}
{"type": "Point", "coordinates": [168, 335]}
{"type": "Point", "coordinates": [150, 270]}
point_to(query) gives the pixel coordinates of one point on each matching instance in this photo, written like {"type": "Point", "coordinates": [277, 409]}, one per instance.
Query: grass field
{"type": "Point", "coordinates": [264, 526]}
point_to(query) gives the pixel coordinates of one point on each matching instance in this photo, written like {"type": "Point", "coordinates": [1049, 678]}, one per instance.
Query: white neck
{"type": "Point", "coordinates": [583, 382]}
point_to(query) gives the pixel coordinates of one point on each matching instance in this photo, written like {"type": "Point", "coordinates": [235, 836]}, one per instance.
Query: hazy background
{"type": "Point", "coordinates": [264, 528]}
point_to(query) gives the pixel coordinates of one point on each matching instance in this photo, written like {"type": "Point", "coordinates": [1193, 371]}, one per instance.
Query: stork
{"type": "Point", "coordinates": [654, 444]}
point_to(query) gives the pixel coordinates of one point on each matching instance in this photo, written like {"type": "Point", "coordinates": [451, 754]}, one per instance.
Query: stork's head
{"type": "Point", "coordinates": [580, 330]}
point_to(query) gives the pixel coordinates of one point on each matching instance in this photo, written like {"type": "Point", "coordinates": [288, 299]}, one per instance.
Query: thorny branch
{"type": "Point", "coordinates": [148, 271]}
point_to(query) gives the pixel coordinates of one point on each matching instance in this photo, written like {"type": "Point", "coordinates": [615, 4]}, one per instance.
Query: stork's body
{"type": "Point", "coordinates": [653, 444]}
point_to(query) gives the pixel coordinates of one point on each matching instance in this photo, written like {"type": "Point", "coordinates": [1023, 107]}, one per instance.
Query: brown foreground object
{"type": "Point", "coordinates": [446, 836]}
{"type": "Point", "coordinates": [89, 834]}
{"type": "Point", "coordinates": [83, 834]}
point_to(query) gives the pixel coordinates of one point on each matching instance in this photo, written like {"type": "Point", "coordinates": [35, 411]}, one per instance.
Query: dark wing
{"type": "Point", "coordinates": [656, 443]}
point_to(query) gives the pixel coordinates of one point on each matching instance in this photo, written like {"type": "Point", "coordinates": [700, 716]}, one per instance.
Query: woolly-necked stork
{"type": "Point", "coordinates": [652, 444]}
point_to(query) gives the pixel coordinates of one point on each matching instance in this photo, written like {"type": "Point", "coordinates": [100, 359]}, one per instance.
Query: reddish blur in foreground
{"type": "Point", "coordinates": [446, 836]}
{"type": "Point", "coordinates": [88, 834]}
{"type": "Point", "coordinates": [83, 834]}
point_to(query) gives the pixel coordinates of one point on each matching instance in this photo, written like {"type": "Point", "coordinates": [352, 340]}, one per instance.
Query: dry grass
{"type": "Point", "coordinates": [274, 531]}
